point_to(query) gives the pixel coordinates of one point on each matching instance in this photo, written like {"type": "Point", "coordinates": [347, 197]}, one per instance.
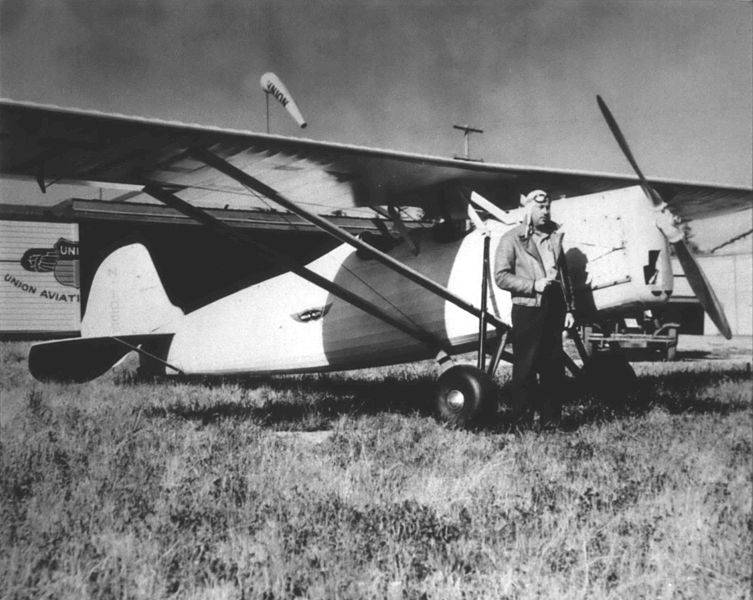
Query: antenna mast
{"type": "Point", "coordinates": [467, 130]}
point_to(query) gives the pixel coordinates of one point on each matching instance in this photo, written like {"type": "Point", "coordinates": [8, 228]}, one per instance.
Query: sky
{"type": "Point", "coordinates": [677, 74]}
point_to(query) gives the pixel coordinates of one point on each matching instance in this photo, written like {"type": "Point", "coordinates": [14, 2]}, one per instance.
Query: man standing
{"type": "Point", "coordinates": [531, 266]}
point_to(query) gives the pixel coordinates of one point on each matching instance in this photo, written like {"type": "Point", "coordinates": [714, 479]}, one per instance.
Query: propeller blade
{"type": "Point", "coordinates": [701, 288]}
{"type": "Point", "coordinates": [695, 276]}
{"type": "Point", "coordinates": [622, 142]}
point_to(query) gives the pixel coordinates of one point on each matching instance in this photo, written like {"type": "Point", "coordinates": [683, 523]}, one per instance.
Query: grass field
{"type": "Point", "coordinates": [344, 486]}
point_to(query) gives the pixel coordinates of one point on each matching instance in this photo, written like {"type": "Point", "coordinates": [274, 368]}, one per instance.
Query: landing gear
{"type": "Point", "coordinates": [610, 379]}
{"type": "Point", "coordinates": [466, 396]}
{"type": "Point", "coordinates": [634, 335]}
{"type": "Point", "coordinates": [605, 376]}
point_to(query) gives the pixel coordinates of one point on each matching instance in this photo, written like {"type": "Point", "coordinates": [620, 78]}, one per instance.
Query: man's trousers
{"type": "Point", "coordinates": [537, 348]}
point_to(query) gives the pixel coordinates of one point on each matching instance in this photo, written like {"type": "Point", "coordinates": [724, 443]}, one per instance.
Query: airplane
{"type": "Point", "coordinates": [405, 294]}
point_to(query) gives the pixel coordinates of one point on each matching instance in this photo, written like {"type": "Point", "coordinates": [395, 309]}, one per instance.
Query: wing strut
{"type": "Point", "coordinates": [203, 217]}
{"type": "Point", "coordinates": [402, 229]}
{"type": "Point", "coordinates": [248, 181]}
{"type": "Point", "coordinates": [394, 216]}
{"type": "Point", "coordinates": [140, 350]}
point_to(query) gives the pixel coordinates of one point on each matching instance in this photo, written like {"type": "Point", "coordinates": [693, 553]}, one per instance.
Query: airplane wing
{"type": "Point", "coordinates": [51, 144]}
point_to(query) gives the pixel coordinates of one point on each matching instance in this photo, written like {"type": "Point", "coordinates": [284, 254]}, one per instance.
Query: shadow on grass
{"type": "Point", "coordinates": [686, 392]}
{"type": "Point", "coordinates": [695, 355]}
{"type": "Point", "coordinates": [318, 401]}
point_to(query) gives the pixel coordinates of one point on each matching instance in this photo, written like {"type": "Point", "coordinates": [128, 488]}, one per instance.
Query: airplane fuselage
{"type": "Point", "coordinates": [618, 261]}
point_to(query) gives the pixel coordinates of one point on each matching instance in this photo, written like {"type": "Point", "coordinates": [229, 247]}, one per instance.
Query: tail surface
{"type": "Point", "coordinates": [127, 307]}
{"type": "Point", "coordinates": [127, 297]}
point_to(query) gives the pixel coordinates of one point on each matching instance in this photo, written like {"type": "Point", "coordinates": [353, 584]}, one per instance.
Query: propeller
{"type": "Point", "coordinates": [693, 272]}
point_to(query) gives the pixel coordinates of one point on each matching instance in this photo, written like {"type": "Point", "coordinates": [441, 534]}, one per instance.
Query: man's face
{"type": "Point", "coordinates": [541, 214]}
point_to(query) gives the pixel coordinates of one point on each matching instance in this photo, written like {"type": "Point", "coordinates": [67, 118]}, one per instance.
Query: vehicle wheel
{"type": "Point", "coordinates": [609, 378]}
{"type": "Point", "coordinates": [466, 396]}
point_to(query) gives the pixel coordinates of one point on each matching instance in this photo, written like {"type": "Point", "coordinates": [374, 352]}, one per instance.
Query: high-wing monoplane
{"type": "Point", "coordinates": [406, 294]}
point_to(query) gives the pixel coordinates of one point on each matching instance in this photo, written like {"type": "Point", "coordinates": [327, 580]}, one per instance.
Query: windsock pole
{"type": "Point", "coordinates": [266, 95]}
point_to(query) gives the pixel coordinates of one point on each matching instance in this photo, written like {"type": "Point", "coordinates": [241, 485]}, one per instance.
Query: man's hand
{"type": "Point", "coordinates": [569, 320]}
{"type": "Point", "coordinates": [541, 284]}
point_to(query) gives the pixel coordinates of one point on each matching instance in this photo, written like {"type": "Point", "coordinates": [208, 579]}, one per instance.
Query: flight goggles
{"type": "Point", "coordinates": [538, 196]}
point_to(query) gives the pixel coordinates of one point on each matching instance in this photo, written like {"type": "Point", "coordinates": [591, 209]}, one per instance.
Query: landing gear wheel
{"type": "Point", "coordinates": [609, 378]}
{"type": "Point", "coordinates": [466, 396]}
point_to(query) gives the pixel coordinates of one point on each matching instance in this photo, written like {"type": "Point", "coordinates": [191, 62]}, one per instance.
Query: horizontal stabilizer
{"type": "Point", "coordinates": [83, 359]}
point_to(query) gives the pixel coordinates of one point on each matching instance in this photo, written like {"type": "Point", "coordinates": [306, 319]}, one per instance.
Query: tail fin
{"type": "Point", "coordinates": [127, 307]}
{"type": "Point", "coordinates": [127, 297]}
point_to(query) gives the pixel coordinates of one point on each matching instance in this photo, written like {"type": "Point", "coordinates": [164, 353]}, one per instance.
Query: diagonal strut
{"type": "Point", "coordinates": [214, 161]}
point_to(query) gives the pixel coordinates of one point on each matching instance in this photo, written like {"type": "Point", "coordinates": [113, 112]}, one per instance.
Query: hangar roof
{"type": "Point", "coordinates": [77, 210]}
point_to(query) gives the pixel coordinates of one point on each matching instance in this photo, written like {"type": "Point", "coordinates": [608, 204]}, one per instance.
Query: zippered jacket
{"type": "Point", "coordinates": [518, 265]}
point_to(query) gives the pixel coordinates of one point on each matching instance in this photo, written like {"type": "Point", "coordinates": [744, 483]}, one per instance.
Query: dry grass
{"type": "Point", "coordinates": [120, 488]}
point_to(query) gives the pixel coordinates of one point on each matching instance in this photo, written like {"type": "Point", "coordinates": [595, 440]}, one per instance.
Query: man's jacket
{"type": "Point", "coordinates": [518, 265]}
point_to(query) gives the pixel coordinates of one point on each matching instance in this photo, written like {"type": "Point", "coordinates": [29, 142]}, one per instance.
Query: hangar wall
{"type": "Point", "coordinates": [39, 279]}
{"type": "Point", "coordinates": [731, 277]}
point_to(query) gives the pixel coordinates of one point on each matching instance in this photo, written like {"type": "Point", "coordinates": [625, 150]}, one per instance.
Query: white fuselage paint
{"type": "Point", "coordinates": [286, 324]}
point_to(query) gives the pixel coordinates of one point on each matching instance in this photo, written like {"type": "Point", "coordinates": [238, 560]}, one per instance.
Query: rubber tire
{"type": "Point", "coordinates": [609, 377]}
{"type": "Point", "coordinates": [479, 392]}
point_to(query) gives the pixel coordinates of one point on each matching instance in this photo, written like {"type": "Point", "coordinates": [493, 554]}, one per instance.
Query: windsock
{"type": "Point", "coordinates": [271, 84]}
